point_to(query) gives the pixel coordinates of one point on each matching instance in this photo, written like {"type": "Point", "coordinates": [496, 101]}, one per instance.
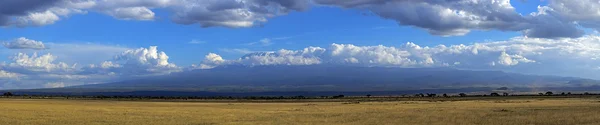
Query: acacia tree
{"type": "Point", "coordinates": [7, 94]}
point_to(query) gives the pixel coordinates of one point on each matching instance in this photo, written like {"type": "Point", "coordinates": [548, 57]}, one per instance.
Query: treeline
{"type": "Point", "coordinates": [11, 95]}
{"type": "Point", "coordinates": [419, 95]}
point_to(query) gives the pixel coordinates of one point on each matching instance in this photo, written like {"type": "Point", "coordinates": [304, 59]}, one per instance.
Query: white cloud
{"type": "Point", "coordinates": [583, 12]}
{"type": "Point", "coordinates": [25, 64]}
{"type": "Point", "coordinates": [136, 62]}
{"type": "Point", "coordinates": [559, 19]}
{"type": "Point", "coordinates": [240, 51]}
{"type": "Point", "coordinates": [207, 13]}
{"type": "Point", "coordinates": [4, 74]}
{"type": "Point", "coordinates": [54, 85]}
{"type": "Point", "coordinates": [132, 13]}
{"type": "Point", "coordinates": [262, 42]}
{"type": "Point", "coordinates": [445, 18]}
{"type": "Point", "coordinates": [38, 19]}
{"type": "Point", "coordinates": [38, 12]}
{"type": "Point", "coordinates": [44, 70]}
{"type": "Point", "coordinates": [197, 42]}
{"type": "Point", "coordinates": [210, 61]}
{"type": "Point", "coordinates": [232, 13]}
{"type": "Point", "coordinates": [510, 60]}
{"type": "Point", "coordinates": [565, 57]}
{"type": "Point", "coordinates": [24, 43]}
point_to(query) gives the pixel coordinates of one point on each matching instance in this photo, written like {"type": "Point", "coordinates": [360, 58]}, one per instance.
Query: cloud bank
{"type": "Point", "coordinates": [44, 71]}
{"type": "Point", "coordinates": [564, 57]}
{"type": "Point", "coordinates": [558, 19]}
{"type": "Point", "coordinates": [206, 13]}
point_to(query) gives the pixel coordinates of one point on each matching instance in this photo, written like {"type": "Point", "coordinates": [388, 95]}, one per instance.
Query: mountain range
{"type": "Point", "coordinates": [326, 79]}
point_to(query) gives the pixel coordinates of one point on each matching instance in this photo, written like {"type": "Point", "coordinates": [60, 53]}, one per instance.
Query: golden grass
{"type": "Point", "coordinates": [493, 112]}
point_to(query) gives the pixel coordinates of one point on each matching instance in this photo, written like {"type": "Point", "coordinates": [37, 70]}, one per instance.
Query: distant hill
{"type": "Point", "coordinates": [324, 78]}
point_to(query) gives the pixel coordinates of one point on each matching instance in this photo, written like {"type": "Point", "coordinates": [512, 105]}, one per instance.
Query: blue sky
{"type": "Point", "coordinates": [55, 43]}
{"type": "Point", "coordinates": [318, 26]}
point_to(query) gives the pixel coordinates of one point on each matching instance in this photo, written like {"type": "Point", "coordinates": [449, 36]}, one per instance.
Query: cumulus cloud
{"type": "Point", "coordinates": [38, 12]}
{"type": "Point", "coordinates": [33, 70]}
{"type": "Point", "coordinates": [24, 43]}
{"type": "Point", "coordinates": [283, 57]}
{"type": "Point", "coordinates": [130, 9]}
{"type": "Point", "coordinates": [565, 57]}
{"type": "Point", "coordinates": [134, 62]}
{"type": "Point", "coordinates": [206, 13]}
{"type": "Point", "coordinates": [210, 61]}
{"type": "Point", "coordinates": [26, 64]}
{"type": "Point", "coordinates": [442, 17]}
{"type": "Point", "coordinates": [558, 19]}
{"type": "Point", "coordinates": [233, 13]}
{"type": "Point", "coordinates": [511, 60]}
{"type": "Point", "coordinates": [583, 12]}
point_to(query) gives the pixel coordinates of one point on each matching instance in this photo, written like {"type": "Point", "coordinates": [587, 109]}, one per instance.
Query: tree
{"type": "Point", "coordinates": [568, 93]}
{"type": "Point", "coordinates": [549, 93]}
{"type": "Point", "coordinates": [369, 96]}
{"type": "Point", "coordinates": [540, 93]}
{"type": "Point", "coordinates": [338, 96]}
{"type": "Point", "coordinates": [7, 94]}
{"type": "Point", "coordinates": [563, 93]}
{"type": "Point", "coordinates": [462, 94]}
{"type": "Point", "coordinates": [494, 94]}
{"type": "Point", "coordinates": [505, 94]}
{"type": "Point", "coordinates": [431, 95]}
{"type": "Point", "coordinates": [445, 95]}
{"type": "Point", "coordinates": [420, 95]}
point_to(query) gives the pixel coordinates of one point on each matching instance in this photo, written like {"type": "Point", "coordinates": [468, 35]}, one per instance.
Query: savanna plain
{"type": "Point", "coordinates": [499, 111]}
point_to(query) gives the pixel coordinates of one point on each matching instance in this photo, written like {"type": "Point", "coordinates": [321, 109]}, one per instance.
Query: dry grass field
{"type": "Point", "coordinates": [477, 112]}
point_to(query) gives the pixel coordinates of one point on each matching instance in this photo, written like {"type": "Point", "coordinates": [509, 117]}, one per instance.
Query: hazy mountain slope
{"type": "Point", "coordinates": [335, 78]}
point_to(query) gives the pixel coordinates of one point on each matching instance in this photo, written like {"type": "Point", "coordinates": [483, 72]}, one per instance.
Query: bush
{"type": "Point", "coordinates": [338, 96]}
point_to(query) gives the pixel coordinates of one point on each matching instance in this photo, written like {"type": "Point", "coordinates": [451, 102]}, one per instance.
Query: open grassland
{"type": "Point", "coordinates": [548, 111]}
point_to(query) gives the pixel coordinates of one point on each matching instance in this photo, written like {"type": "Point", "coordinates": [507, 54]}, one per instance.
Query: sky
{"type": "Point", "coordinates": [57, 43]}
